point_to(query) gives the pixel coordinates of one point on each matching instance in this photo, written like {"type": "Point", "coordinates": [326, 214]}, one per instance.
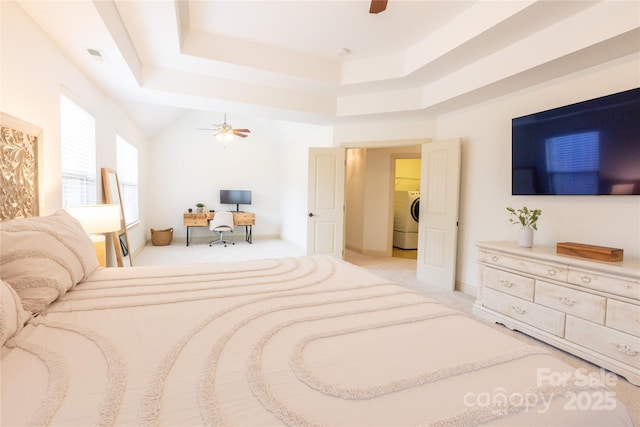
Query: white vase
{"type": "Point", "coordinates": [525, 237]}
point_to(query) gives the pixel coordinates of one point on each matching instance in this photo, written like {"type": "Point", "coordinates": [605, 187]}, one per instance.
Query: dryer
{"type": "Point", "coordinates": [405, 219]}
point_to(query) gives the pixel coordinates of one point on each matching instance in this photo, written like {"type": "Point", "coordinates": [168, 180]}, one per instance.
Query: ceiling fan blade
{"type": "Point", "coordinates": [377, 6]}
{"type": "Point", "coordinates": [242, 130]}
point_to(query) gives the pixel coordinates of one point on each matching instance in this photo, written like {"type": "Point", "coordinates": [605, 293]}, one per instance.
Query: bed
{"type": "Point", "coordinates": [298, 341]}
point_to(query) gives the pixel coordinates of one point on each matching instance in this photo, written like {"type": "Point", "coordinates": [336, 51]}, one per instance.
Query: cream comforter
{"type": "Point", "coordinates": [298, 341]}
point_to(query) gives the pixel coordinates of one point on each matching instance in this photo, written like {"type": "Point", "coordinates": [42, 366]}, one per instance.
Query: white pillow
{"type": "Point", "coordinates": [35, 300]}
{"type": "Point", "coordinates": [45, 252]}
{"type": "Point", "coordinates": [12, 315]}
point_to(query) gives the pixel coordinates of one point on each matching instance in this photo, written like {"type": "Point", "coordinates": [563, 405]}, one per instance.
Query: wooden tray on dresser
{"type": "Point", "coordinates": [599, 253]}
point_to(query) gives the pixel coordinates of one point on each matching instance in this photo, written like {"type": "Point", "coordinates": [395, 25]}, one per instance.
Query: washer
{"type": "Point", "coordinates": [405, 219]}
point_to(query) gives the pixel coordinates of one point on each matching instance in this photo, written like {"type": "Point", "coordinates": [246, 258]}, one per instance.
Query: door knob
{"type": "Point", "coordinates": [310, 214]}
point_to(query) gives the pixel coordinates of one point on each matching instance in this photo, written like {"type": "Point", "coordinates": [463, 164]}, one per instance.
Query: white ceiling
{"type": "Point", "coordinates": [326, 60]}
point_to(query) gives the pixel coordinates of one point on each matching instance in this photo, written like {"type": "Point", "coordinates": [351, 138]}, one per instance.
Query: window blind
{"type": "Point", "coordinates": [78, 154]}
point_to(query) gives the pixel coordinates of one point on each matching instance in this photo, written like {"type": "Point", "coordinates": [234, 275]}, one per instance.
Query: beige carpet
{"type": "Point", "coordinates": [399, 270]}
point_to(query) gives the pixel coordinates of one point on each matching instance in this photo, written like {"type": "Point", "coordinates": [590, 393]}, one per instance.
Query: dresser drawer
{"type": "Point", "coordinates": [540, 317]}
{"type": "Point", "coordinates": [580, 304]}
{"type": "Point", "coordinates": [617, 345]}
{"type": "Point", "coordinates": [623, 316]}
{"type": "Point", "coordinates": [509, 283]}
{"type": "Point", "coordinates": [619, 286]}
{"type": "Point", "coordinates": [537, 268]}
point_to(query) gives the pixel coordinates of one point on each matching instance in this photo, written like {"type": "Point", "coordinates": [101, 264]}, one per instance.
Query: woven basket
{"type": "Point", "coordinates": [161, 237]}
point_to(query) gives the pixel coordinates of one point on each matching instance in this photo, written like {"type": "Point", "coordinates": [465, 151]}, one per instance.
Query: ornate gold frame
{"type": "Point", "coordinates": [19, 147]}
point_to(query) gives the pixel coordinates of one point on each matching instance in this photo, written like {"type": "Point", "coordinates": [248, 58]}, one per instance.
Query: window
{"type": "Point", "coordinates": [78, 152]}
{"type": "Point", "coordinates": [128, 178]}
{"type": "Point", "coordinates": [573, 162]}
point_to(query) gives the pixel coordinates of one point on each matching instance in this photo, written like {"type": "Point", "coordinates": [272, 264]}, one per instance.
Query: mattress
{"type": "Point", "coordinates": [294, 341]}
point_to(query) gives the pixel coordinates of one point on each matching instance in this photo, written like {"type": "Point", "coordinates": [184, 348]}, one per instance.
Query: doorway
{"type": "Point", "coordinates": [369, 215]}
{"type": "Point", "coordinates": [370, 185]}
{"type": "Point", "coordinates": [406, 205]}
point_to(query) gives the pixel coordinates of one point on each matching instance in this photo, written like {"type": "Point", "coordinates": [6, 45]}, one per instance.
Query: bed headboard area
{"type": "Point", "coordinates": [19, 146]}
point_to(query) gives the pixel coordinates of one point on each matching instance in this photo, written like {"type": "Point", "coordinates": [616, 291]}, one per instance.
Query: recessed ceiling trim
{"type": "Point", "coordinates": [113, 22]}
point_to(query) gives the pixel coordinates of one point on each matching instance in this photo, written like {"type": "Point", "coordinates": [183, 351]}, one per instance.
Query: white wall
{"type": "Point", "coordinates": [485, 130]}
{"type": "Point", "coordinates": [188, 166]}
{"type": "Point", "coordinates": [354, 213]}
{"type": "Point", "coordinates": [486, 178]}
{"type": "Point", "coordinates": [408, 174]}
{"type": "Point", "coordinates": [33, 73]}
{"type": "Point", "coordinates": [294, 166]}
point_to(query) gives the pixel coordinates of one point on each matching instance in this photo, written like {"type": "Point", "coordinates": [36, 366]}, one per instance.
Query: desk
{"type": "Point", "coordinates": [247, 219]}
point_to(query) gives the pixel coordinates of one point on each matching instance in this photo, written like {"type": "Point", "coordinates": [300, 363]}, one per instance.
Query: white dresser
{"type": "Point", "coordinates": [587, 308]}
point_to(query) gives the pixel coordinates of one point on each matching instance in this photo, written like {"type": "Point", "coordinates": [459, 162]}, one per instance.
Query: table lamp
{"type": "Point", "coordinates": [97, 220]}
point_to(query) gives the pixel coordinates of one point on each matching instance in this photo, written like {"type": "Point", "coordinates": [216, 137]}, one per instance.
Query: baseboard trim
{"type": "Point", "coordinates": [466, 288]}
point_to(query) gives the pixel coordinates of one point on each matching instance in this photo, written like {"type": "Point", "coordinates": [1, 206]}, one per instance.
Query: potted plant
{"type": "Point", "coordinates": [200, 207]}
{"type": "Point", "coordinates": [527, 219]}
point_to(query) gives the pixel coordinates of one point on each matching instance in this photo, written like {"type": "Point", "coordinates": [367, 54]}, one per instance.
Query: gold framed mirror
{"type": "Point", "coordinates": [112, 195]}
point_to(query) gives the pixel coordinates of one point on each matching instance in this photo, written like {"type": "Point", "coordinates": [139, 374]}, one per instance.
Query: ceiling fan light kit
{"type": "Point", "coordinates": [224, 136]}
{"type": "Point", "coordinates": [225, 132]}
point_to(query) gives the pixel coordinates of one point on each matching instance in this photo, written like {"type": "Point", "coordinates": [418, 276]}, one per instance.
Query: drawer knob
{"type": "Point", "coordinates": [567, 301]}
{"type": "Point", "coordinates": [494, 258]}
{"type": "Point", "coordinates": [585, 279]}
{"type": "Point", "coordinates": [551, 271]}
{"type": "Point", "coordinates": [506, 283]}
{"type": "Point", "coordinates": [624, 348]}
{"type": "Point", "coordinates": [518, 310]}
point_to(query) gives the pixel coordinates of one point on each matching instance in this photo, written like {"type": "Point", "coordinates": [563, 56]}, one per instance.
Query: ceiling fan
{"type": "Point", "coordinates": [225, 131]}
{"type": "Point", "coordinates": [377, 6]}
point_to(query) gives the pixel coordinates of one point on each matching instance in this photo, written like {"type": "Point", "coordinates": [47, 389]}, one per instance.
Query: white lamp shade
{"type": "Point", "coordinates": [96, 219]}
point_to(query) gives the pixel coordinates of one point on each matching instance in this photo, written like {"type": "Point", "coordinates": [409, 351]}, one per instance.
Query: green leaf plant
{"type": "Point", "coordinates": [526, 217]}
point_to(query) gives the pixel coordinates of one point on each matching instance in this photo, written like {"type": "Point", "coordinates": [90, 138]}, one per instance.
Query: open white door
{"type": "Point", "coordinates": [438, 225]}
{"type": "Point", "coordinates": [325, 207]}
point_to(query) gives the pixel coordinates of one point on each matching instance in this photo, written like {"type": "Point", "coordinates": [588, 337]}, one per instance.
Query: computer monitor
{"type": "Point", "coordinates": [235, 197]}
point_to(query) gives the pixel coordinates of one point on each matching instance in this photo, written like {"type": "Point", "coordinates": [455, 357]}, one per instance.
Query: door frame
{"type": "Point", "coordinates": [404, 143]}
{"type": "Point", "coordinates": [391, 143]}
{"type": "Point", "coordinates": [392, 186]}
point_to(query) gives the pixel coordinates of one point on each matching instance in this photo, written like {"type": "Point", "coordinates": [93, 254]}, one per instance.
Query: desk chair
{"type": "Point", "coordinates": [221, 222]}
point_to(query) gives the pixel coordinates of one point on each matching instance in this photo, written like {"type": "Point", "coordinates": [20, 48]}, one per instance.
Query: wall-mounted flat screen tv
{"type": "Point", "coordinates": [235, 197]}
{"type": "Point", "coordinates": [587, 148]}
